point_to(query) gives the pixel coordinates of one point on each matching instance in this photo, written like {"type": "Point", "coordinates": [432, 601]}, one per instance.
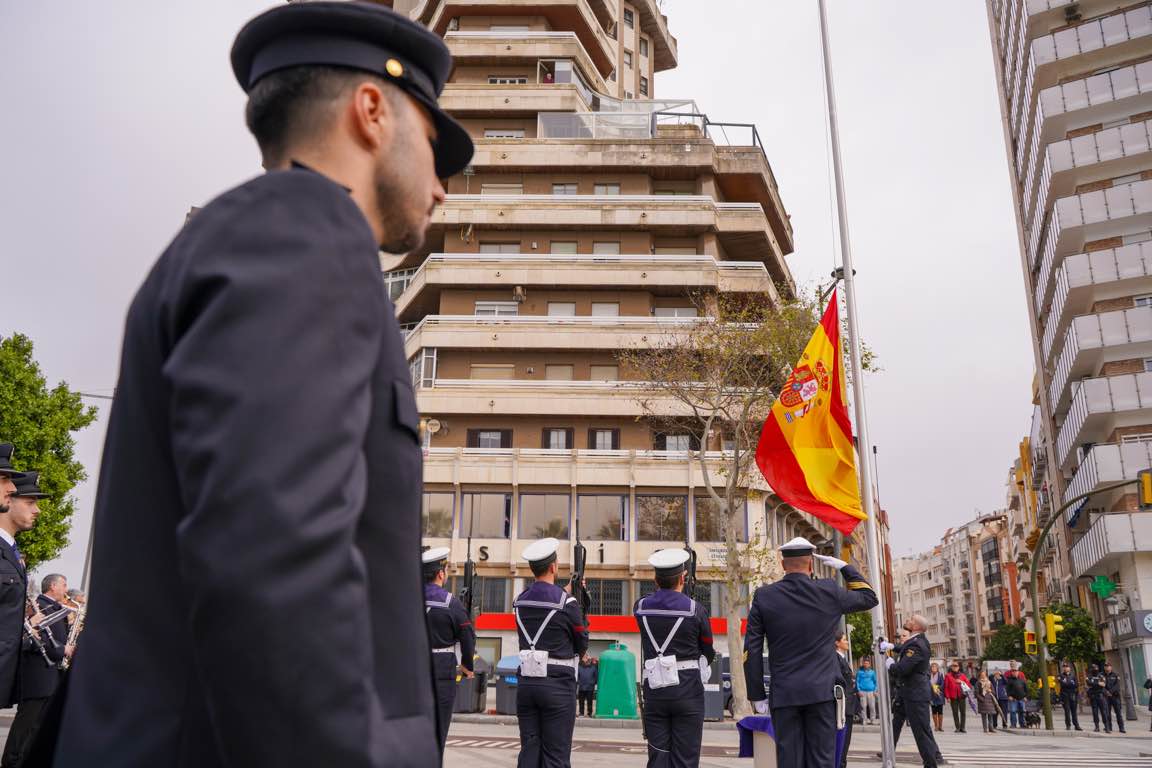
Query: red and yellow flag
{"type": "Point", "coordinates": [806, 451]}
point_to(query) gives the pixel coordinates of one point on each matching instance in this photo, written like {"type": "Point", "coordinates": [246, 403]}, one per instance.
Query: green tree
{"type": "Point", "coordinates": [861, 635]}
{"type": "Point", "coordinates": [1006, 645]}
{"type": "Point", "coordinates": [40, 421]}
{"type": "Point", "coordinates": [1079, 640]}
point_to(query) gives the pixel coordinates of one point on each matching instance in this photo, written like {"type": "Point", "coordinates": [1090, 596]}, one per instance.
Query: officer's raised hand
{"type": "Point", "coordinates": [832, 562]}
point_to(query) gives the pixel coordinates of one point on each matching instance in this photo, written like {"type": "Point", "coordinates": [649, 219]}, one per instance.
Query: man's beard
{"type": "Point", "coordinates": [400, 234]}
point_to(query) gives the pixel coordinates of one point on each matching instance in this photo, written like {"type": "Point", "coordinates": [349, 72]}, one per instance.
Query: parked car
{"type": "Point", "coordinates": [726, 684]}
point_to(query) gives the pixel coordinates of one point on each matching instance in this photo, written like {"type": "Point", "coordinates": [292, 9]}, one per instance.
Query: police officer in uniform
{"type": "Point", "coordinates": [798, 617]}
{"type": "Point", "coordinates": [1113, 701]}
{"type": "Point", "coordinates": [676, 638]}
{"type": "Point", "coordinates": [1069, 696]}
{"type": "Point", "coordinates": [911, 667]}
{"type": "Point", "coordinates": [1097, 698]}
{"type": "Point", "coordinates": [450, 632]}
{"type": "Point", "coordinates": [553, 637]}
{"type": "Point", "coordinates": [13, 579]}
{"type": "Point", "coordinates": [265, 432]}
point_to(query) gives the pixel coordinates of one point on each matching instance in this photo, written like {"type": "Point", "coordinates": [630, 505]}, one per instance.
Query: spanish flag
{"type": "Point", "coordinates": [806, 451]}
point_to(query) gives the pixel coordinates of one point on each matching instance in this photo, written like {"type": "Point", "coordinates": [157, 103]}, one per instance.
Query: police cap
{"type": "Point", "coordinates": [6, 451]}
{"type": "Point", "coordinates": [362, 36]}
{"type": "Point", "coordinates": [28, 486]}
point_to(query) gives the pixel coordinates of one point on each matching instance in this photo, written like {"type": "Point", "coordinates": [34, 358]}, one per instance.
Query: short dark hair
{"type": "Point", "coordinates": [539, 568]}
{"type": "Point", "coordinates": [49, 581]}
{"type": "Point", "coordinates": [288, 105]}
{"type": "Point", "coordinates": [839, 636]}
{"type": "Point", "coordinates": [667, 581]}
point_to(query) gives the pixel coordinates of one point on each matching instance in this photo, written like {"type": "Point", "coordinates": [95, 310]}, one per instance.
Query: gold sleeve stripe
{"type": "Point", "coordinates": [859, 585]}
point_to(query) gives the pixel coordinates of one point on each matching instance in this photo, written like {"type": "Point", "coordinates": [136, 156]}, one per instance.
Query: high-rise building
{"type": "Point", "coordinates": [592, 214]}
{"type": "Point", "coordinates": [1076, 85]}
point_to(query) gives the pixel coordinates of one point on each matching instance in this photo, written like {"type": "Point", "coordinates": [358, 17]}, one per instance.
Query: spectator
{"type": "Point", "coordinates": [1148, 687]}
{"type": "Point", "coordinates": [1000, 688]}
{"type": "Point", "coordinates": [866, 684]}
{"type": "Point", "coordinates": [586, 683]}
{"type": "Point", "coordinates": [956, 687]}
{"type": "Point", "coordinates": [986, 703]}
{"type": "Point", "coordinates": [936, 679]}
{"type": "Point", "coordinates": [971, 672]}
{"type": "Point", "coordinates": [1017, 695]}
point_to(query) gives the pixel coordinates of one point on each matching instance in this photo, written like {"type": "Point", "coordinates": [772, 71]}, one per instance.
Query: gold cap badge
{"type": "Point", "coordinates": [394, 68]}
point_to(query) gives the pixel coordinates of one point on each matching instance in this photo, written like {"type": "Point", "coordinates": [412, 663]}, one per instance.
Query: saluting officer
{"type": "Point", "coordinates": [450, 634]}
{"type": "Point", "coordinates": [553, 637]}
{"type": "Point", "coordinates": [676, 638]}
{"type": "Point", "coordinates": [798, 617]}
{"type": "Point", "coordinates": [912, 668]}
{"type": "Point", "coordinates": [265, 432]}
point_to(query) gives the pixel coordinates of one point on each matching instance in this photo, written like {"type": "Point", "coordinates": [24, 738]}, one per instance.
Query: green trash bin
{"type": "Point", "coordinates": [616, 684]}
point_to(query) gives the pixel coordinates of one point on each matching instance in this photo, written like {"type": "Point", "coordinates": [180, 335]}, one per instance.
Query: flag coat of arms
{"type": "Point", "coordinates": [806, 451]}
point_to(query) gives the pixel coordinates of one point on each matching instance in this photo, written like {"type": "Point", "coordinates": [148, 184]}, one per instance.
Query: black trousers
{"type": "Point", "coordinates": [674, 723]}
{"type": "Point", "coordinates": [445, 701]}
{"type": "Point", "coordinates": [805, 735]}
{"type": "Point", "coordinates": [1069, 704]}
{"type": "Point", "coordinates": [1113, 703]}
{"type": "Point", "coordinates": [1101, 712]}
{"type": "Point", "coordinates": [586, 699]}
{"type": "Point", "coordinates": [959, 712]}
{"type": "Point", "coordinates": [23, 731]}
{"type": "Point", "coordinates": [918, 715]}
{"type": "Point", "coordinates": [546, 709]}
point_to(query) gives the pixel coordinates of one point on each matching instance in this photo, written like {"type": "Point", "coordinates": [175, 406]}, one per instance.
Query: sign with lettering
{"type": "Point", "coordinates": [1132, 624]}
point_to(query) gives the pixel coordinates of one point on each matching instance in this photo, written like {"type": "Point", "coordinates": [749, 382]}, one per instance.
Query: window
{"type": "Point", "coordinates": [667, 250]}
{"type": "Point", "coordinates": [601, 517]}
{"type": "Point", "coordinates": [629, 18]}
{"type": "Point", "coordinates": [564, 188]}
{"type": "Point", "coordinates": [605, 309]}
{"type": "Point", "coordinates": [675, 312]}
{"type": "Point", "coordinates": [485, 515]}
{"type": "Point", "coordinates": [499, 247]}
{"type": "Point", "coordinates": [677, 443]}
{"type": "Point", "coordinates": [606, 248]}
{"type": "Point", "coordinates": [710, 523]}
{"type": "Point", "coordinates": [557, 438]}
{"type": "Point", "coordinates": [489, 438]}
{"type": "Point", "coordinates": [629, 95]}
{"type": "Point", "coordinates": [496, 308]}
{"type": "Point", "coordinates": [562, 246]}
{"type": "Point", "coordinates": [543, 515]}
{"type": "Point", "coordinates": [604, 439]}
{"type": "Point", "coordinates": [608, 188]}
{"type": "Point", "coordinates": [643, 46]}
{"type": "Point", "coordinates": [661, 518]}
{"type": "Point", "coordinates": [604, 373]}
{"type": "Point", "coordinates": [628, 59]}
{"type": "Point", "coordinates": [561, 309]}
{"type": "Point", "coordinates": [558, 372]}
{"type": "Point", "coordinates": [501, 189]}
{"type": "Point", "coordinates": [397, 281]}
{"type": "Point", "coordinates": [437, 514]}
{"type": "Point", "coordinates": [1143, 301]}
{"type": "Point", "coordinates": [506, 80]}
{"type": "Point", "coordinates": [510, 28]}
{"type": "Point", "coordinates": [607, 597]}
{"type": "Point", "coordinates": [643, 86]}
{"type": "Point", "coordinates": [503, 133]}
{"type": "Point", "coordinates": [492, 372]}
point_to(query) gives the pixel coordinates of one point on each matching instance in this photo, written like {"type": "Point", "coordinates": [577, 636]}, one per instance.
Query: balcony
{"type": "Point", "coordinates": [471, 48]}
{"type": "Point", "coordinates": [419, 291]}
{"type": "Point", "coordinates": [1106, 464]}
{"type": "Point", "coordinates": [742, 228]}
{"type": "Point", "coordinates": [465, 100]}
{"type": "Point", "coordinates": [655, 24]}
{"type": "Point", "coordinates": [1079, 275]}
{"type": "Point", "coordinates": [1087, 341]}
{"type": "Point", "coordinates": [544, 398]}
{"type": "Point", "coordinates": [1096, 408]}
{"type": "Point", "coordinates": [540, 332]}
{"type": "Point", "coordinates": [1111, 537]}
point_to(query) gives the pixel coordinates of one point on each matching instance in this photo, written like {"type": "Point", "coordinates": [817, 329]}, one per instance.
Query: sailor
{"type": "Point", "coordinates": [798, 617]}
{"type": "Point", "coordinates": [450, 634]}
{"type": "Point", "coordinates": [553, 638]}
{"type": "Point", "coordinates": [676, 638]}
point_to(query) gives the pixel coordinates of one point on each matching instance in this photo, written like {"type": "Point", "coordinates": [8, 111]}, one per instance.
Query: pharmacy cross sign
{"type": "Point", "coordinates": [1103, 587]}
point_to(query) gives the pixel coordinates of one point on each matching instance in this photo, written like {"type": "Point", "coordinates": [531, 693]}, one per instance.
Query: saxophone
{"type": "Point", "coordinates": [74, 631]}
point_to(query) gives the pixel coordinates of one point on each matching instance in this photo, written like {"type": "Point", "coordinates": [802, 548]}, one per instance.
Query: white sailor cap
{"type": "Point", "coordinates": [542, 551]}
{"type": "Point", "coordinates": [435, 555]}
{"type": "Point", "coordinates": [798, 547]}
{"type": "Point", "coordinates": [669, 562]}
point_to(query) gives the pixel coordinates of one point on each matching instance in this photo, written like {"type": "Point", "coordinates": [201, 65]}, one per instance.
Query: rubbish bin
{"type": "Point", "coordinates": [714, 693]}
{"type": "Point", "coordinates": [507, 679]}
{"type": "Point", "coordinates": [616, 685]}
{"type": "Point", "coordinates": [472, 694]}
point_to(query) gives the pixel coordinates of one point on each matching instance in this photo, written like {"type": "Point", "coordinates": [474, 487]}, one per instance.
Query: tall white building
{"type": "Point", "coordinates": [1076, 86]}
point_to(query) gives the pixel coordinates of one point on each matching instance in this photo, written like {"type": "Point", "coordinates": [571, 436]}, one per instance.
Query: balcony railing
{"type": "Point", "coordinates": [1109, 463]}
{"type": "Point", "coordinates": [1117, 202]}
{"type": "Point", "coordinates": [1101, 396]}
{"type": "Point", "coordinates": [1090, 332]}
{"type": "Point", "coordinates": [607, 125]}
{"type": "Point", "coordinates": [1112, 534]}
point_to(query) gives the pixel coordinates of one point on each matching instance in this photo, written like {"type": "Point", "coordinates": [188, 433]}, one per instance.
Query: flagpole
{"type": "Point", "coordinates": [887, 747]}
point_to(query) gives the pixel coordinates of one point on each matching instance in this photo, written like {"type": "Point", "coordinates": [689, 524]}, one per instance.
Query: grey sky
{"type": "Point", "coordinates": [118, 117]}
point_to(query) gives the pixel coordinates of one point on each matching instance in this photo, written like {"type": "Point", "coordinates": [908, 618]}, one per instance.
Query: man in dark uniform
{"type": "Point", "coordinates": [676, 639]}
{"type": "Point", "coordinates": [450, 634]}
{"type": "Point", "coordinates": [1096, 697]}
{"type": "Point", "coordinates": [553, 638]}
{"type": "Point", "coordinates": [911, 667]}
{"type": "Point", "coordinates": [1113, 700]}
{"type": "Point", "coordinates": [265, 433]}
{"type": "Point", "coordinates": [13, 579]}
{"type": "Point", "coordinates": [798, 617]}
{"type": "Point", "coordinates": [1069, 696]}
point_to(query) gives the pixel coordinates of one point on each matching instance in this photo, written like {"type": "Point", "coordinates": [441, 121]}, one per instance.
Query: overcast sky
{"type": "Point", "coordinates": [118, 116]}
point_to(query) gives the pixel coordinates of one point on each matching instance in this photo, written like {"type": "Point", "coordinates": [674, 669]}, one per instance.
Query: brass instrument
{"type": "Point", "coordinates": [74, 632]}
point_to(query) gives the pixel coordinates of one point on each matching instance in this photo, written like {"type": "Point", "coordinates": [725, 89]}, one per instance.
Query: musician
{"type": "Point", "coordinates": [450, 634]}
{"type": "Point", "coordinates": [553, 637]}
{"type": "Point", "coordinates": [13, 578]}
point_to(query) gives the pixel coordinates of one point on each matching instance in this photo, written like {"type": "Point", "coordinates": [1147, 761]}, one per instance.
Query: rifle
{"type": "Point", "coordinates": [690, 570]}
{"type": "Point", "coordinates": [468, 590]}
{"type": "Point", "coordinates": [579, 561]}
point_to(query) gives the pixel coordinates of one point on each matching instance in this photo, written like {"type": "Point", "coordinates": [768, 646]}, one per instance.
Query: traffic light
{"type": "Point", "coordinates": [1144, 488]}
{"type": "Point", "coordinates": [1053, 623]}
{"type": "Point", "coordinates": [1030, 643]}
{"type": "Point", "coordinates": [1052, 683]}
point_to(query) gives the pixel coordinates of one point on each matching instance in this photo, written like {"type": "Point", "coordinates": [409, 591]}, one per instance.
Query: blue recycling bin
{"type": "Point", "coordinates": [507, 680]}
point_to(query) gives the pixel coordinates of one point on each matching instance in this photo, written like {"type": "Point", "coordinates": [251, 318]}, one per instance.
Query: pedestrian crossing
{"type": "Point", "coordinates": [1038, 757]}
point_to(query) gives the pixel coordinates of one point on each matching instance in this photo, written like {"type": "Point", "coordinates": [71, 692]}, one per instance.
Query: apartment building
{"type": "Point", "coordinates": [1076, 86]}
{"type": "Point", "coordinates": [593, 216]}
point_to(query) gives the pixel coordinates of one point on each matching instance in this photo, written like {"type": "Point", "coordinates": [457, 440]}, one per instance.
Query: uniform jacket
{"type": "Point", "coordinates": [1069, 686]}
{"type": "Point", "coordinates": [1112, 685]}
{"type": "Point", "coordinates": [262, 466]}
{"type": "Point", "coordinates": [38, 679]}
{"type": "Point", "coordinates": [912, 667]}
{"type": "Point", "coordinates": [1095, 685]}
{"type": "Point", "coordinates": [566, 635]}
{"type": "Point", "coordinates": [662, 609]}
{"type": "Point", "coordinates": [448, 624]}
{"type": "Point", "coordinates": [797, 617]}
{"type": "Point", "coordinates": [848, 681]}
{"type": "Point", "coordinates": [13, 585]}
